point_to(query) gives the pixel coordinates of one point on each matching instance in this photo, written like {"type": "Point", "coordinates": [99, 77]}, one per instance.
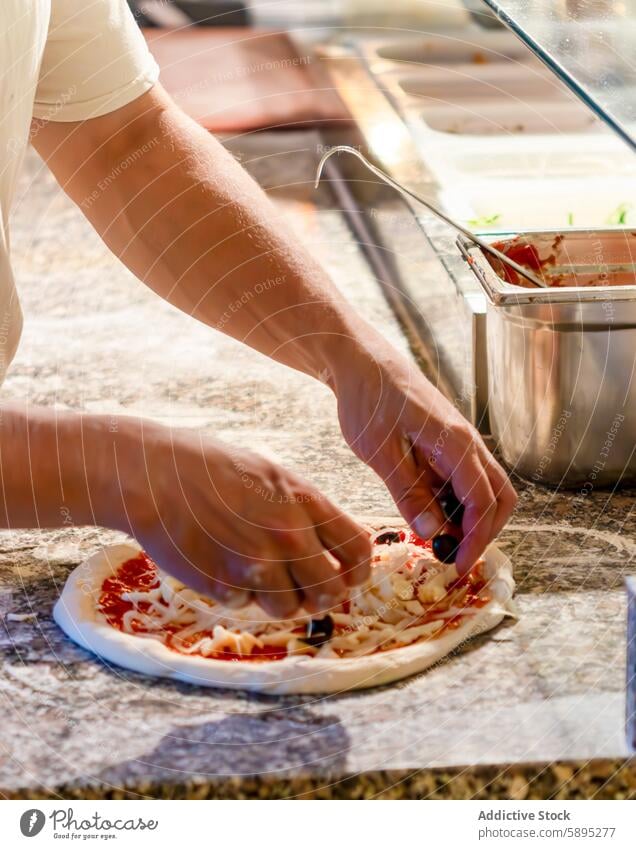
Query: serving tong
{"type": "Point", "coordinates": [487, 248]}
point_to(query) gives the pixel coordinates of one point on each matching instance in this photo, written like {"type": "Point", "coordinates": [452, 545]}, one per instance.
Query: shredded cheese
{"type": "Point", "coordinates": [409, 597]}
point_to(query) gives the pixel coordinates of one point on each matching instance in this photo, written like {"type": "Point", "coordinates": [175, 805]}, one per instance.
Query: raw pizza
{"type": "Point", "coordinates": [412, 612]}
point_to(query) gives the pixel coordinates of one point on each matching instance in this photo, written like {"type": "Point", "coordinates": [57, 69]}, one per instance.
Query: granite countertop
{"type": "Point", "coordinates": [533, 710]}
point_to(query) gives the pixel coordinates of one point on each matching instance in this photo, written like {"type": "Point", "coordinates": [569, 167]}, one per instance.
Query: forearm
{"type": "Point", "coordinates": [190, 222]}
{"type": "Point", "coordinates": [52, 467]}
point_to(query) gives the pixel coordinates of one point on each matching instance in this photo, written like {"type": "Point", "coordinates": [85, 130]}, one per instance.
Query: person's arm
{"type": "Point", "coordinates": [46, 482]}
{"type": "Point", "coordinates": [184, 216]}
{"type": "Point", "coordinates": [188, 221]}
{"type": "Point", "coordinates": [229, 523]}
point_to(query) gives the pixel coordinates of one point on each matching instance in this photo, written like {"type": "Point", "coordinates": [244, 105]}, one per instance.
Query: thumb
{"type": "Point", "coordinates": [413, 493]}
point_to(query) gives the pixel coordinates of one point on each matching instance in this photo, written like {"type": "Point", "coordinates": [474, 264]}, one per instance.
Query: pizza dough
{"type": "Point", "coordinates": [78, 613]}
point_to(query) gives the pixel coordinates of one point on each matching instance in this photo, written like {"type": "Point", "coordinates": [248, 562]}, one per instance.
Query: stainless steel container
{"type": "Point", "coordinates": [562, 361]}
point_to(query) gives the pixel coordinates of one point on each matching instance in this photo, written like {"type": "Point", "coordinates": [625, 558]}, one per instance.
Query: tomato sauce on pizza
{"type": "Point", "coordinates": [410, 597]}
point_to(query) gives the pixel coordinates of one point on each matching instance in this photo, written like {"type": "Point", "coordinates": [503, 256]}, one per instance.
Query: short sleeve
{"type": "Point", "coordinates": [95, 61]}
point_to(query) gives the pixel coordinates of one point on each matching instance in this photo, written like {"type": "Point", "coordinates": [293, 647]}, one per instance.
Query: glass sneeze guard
{"type": "Point", "coordinates": [590, 45]}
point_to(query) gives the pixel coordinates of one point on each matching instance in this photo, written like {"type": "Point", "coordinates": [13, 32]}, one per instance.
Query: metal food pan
{"type": "Point", "coordinates": [561, 362]}
{"type": "Point", "coordinates": [446, 89]}
{"type": "Point", "coordinates": [510, 117]}
{"type": "Point", "coordinates": [470, 46]}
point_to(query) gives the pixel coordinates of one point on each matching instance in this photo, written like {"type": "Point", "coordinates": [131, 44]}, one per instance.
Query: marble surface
{"type": "Point", "coordinates": [534, 709]}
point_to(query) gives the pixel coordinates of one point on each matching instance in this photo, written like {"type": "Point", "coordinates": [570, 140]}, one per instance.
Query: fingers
{"type": "Point", "coordinates": [344, 538]}
{"type": "Point", "coordinates": [274, 589]}
{"type": "Point", "coordinates": [502, 489]}
{"type": "Point", "coordinates": [267, 578]}
{"type": "Point", "coordinates": [309, 577]}
{"type": "Point", "coordinates": [314, 553]}
{"type": "Point", "coordinates": [472, 486]}
{"type": "Point", "coordinates": [322, 585]}
{"type": "Point", "coordinates": [224, 586]}
{"type": "Point", "coordinates": [480, 484]}
{"type": "Point", "coordinates": [413, 489]}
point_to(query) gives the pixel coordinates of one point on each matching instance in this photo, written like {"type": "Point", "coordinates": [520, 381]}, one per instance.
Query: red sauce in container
{"type": "Point", "coordinates": [575, 262]}
{"type": "Point", "coordinates": [522, 253]}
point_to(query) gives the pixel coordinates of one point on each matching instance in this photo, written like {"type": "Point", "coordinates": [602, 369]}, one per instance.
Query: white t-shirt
{"type": "Point", "coordinates": [60, 60]}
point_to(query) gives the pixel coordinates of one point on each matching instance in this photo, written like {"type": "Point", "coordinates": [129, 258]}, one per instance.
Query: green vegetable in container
{"type": "Point", "coordinates": [485, 220]}
{"type": "Point", "coordinates": [619, 216]}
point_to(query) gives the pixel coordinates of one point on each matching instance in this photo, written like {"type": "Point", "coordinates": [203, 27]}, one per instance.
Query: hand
{"type": "Point", "coordinates": [397, 422]}
{"type": "Point", "coordinates": [233, 525]}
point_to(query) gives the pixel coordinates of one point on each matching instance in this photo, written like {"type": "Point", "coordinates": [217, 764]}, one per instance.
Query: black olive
{"type": "Point", "coordinates": [319, 631]}
{"type": "Point", "coordinates": [445, 548]}
{"type": "Point", "coordinates": [452, 507]}
{"type": "Point", "coordinates": [388, 537]}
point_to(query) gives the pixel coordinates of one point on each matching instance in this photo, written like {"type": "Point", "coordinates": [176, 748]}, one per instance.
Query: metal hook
{"type": "Point", "coordinates": [343, 148]}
